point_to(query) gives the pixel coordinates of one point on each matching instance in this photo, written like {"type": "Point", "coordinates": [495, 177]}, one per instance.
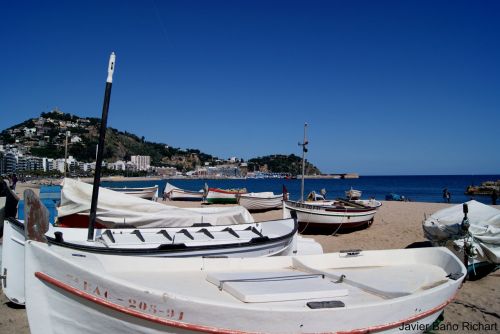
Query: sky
{"type": "Point", "coordinates": [386, 87]}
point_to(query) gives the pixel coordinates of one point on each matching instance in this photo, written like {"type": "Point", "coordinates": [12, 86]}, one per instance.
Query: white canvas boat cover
{"type": "Point", "coordinates": [484, 227]}
{"type": "Point", "coordinates": [115, 209]}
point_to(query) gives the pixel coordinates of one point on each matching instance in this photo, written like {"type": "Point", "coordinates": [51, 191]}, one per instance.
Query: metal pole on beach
{"type": "Point", "coordinates": [304, 150]}
{"type": "Point", "coordinates": [100, 148]}
{"type": "Point", "coordinates": [66, 154]}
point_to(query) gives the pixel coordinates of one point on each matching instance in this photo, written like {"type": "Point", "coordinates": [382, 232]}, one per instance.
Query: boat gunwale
{"type": "Point", "coordinates": [222, 191]}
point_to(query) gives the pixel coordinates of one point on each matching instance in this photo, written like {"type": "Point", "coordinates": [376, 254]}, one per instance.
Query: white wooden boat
{"type": "Point", "coordinates": [150, 193]}
{"type": "Point", "coordinates": [355, 292]}
{"type": "Point", "coordinates": [353, 194]}
{"type": "Point", "coordinates": [332, 215]}
{"type": "Point", "coordinates": [260, 201]}
{"type": "Point", "coordinates": [223, 196]}
{"type": "Point", "coordinates": [176, 194]}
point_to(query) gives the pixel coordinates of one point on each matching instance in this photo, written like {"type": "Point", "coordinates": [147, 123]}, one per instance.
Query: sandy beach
{"type": "Point", "coordinates": [396, 225]}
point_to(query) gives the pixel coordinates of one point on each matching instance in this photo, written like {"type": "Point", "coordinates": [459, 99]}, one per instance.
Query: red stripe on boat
{"type": "Point", "coordinates": [205, 329]}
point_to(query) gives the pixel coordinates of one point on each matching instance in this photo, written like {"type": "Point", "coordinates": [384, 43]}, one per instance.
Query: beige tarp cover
{"type": "Point", "coordinates": [115, 209]}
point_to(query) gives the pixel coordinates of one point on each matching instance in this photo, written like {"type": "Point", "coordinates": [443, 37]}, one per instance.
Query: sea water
{"type": "Point", "coordinates": [428, 188]}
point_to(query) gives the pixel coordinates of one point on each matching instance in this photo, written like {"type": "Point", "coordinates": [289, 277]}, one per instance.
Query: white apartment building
{"type": "Point", "coordinates": [141, 162]}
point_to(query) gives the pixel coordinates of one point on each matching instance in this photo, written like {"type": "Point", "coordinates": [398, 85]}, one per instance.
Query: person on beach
{"type": "Point", "coordinates": [494, 197]}
{"type": "Point", "coordinates": [446, 195]}
{"type": "Point", "coordinates": [13, 182]}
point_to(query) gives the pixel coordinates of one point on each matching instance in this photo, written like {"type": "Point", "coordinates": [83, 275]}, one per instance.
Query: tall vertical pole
{"type": "Point", "coordinates": [100, 148]}
{"type": "Point", "coordinates": [66, 155]}
{"type": "Point", "coordinates": [304, 150]}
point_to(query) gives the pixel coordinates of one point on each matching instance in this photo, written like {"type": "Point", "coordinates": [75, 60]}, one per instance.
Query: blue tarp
{"type": "Point", "coordinates": [48, 203]}
{"type": "Point", "coordinates": [50, 192]}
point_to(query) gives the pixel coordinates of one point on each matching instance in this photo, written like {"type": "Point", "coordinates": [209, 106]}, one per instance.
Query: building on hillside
{"type": "Point", "coordinates": [48, 164]}
{"type": "Point", "coordinates": [10, 163]}
{"type": "Point", "coordinates": [58, 164]}
{"type": "Point", "coordinates": [34, 163]}
{"type": "Point", "coordinates": [75, 139]}
{"type": "Point", "coordinates": [2, 163]}
{"type": "Point", "coordinates": [224, 171]}
{"type": "Point", "coordinates": [165, 171]}
{"type": "Point", "coordinates": [141, 162]}
{"type": "Point", "coordinates": [29, 132]}
{"type": "Point", "coordinates": [118, 165]}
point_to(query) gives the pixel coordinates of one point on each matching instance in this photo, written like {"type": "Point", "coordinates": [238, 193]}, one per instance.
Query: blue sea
{"type": "Point", "coordinates": [428, 188]}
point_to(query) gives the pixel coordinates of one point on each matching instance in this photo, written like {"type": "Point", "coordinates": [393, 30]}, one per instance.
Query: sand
{"type": "Point", "coordinates": [396, 225]}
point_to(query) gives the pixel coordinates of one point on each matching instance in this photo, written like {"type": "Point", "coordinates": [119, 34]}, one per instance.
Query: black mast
{"type": "Point", "coordinates": [304, 150]}
{"type": "Point", "coordinates": [100, 148]}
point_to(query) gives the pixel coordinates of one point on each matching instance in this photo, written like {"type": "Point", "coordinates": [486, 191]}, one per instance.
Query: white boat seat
{"type": "Point", "coordinates": [259, 287]}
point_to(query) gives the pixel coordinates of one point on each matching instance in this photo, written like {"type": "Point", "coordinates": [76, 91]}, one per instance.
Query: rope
{"type": "Point", "coordinates": [309, 214]}
{"type": "Point", "coordinates": [341, 222]}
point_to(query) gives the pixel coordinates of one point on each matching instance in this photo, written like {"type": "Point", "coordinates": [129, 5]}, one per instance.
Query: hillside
{"type": "Point", "coordinates": [45, 136]}
{"type": "Point", "coordinates": [282, 164]}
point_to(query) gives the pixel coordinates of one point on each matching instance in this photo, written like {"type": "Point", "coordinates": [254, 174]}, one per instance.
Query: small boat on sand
{"type": "Point", "coordinates": [223, 196]}
{"type": "Point", "coordinates": [261, 201]}
{"type": "Point", "coordinates": [353, 194]}
{"type": "Point", "coordinates": [333, 215]}
{"type": "Point", "coordinates": [177, 194]}
{"type": "Point", "coordinates": [150, 193]}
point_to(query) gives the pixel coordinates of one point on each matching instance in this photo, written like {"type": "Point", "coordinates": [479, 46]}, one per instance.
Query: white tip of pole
{"type": "Point", "coordinates": [111, 67]}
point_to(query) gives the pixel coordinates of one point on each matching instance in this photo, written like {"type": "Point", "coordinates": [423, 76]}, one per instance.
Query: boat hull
{"type": "Point", "coordinates": [253, 203]}
{"type": "Point", "coordinates": [84, 298]}
{"type": "Point", "coordinates": [184, 195]}
{"type": "Point", "coordinates": [145, 193]}
{"type": "Point", "coordinates": [219, 196]}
